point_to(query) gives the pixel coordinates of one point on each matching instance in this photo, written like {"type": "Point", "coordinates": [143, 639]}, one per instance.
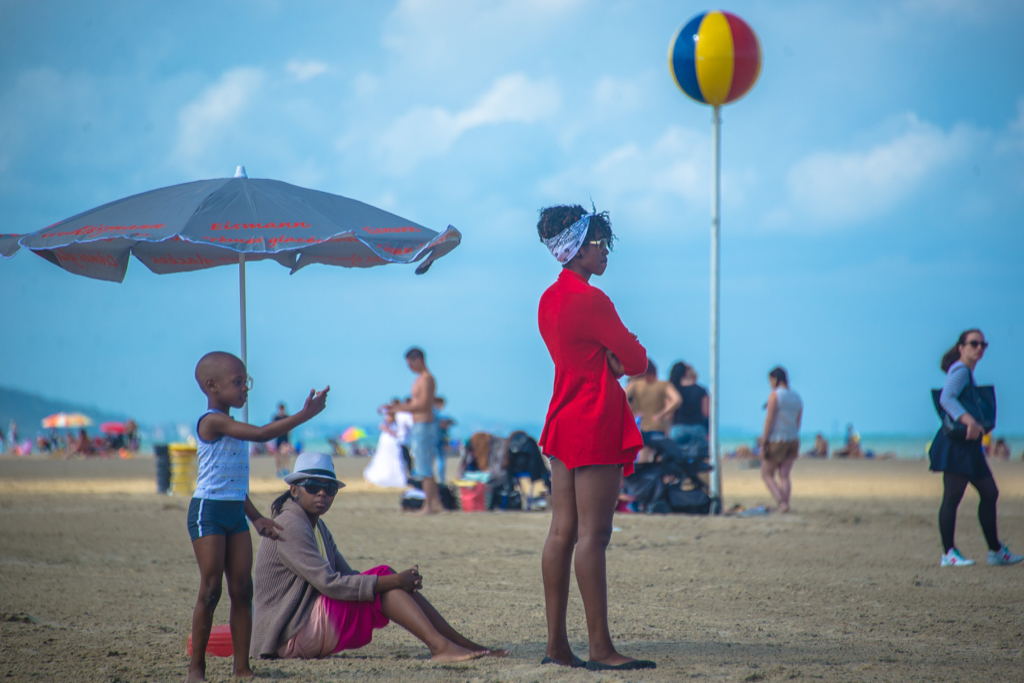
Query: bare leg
{"type": "Point", "coordinates": [432, 503]}
{"type": "Point", "coordinates": [597, 489]}
{"type": "Point", "coordinates": [785, 483]}
{"type": "Point", "coordinates": [768, 476]}
{"type": "Point", "coordinates": [238, 567]}
{"type": "Point", "coordinates": [210, 551]}
{"type": "Point", "coordinates": [446, 629]}
{"type": "Point", "coordinates": [401, 608]}
{"type": "Point", "coordinates": [556, 560]}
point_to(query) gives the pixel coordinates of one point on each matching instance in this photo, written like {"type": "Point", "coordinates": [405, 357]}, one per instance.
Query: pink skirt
{"type": "Point", "coordinates": [336, 625]}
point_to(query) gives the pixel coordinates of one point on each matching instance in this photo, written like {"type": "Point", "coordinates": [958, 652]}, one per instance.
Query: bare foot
{"type": "Point", "coordinates": [243, 674]}
{"type": "Point", "coordinates": [425, 510]}
{"type": "Point", "coordinates": [783, 507]}
{"type": "Point", "coordinates": [496, 653]}
{"type": "Point", "coordinates": [195, 676]}
{"type": "Point", "coordinates": [456, 653]}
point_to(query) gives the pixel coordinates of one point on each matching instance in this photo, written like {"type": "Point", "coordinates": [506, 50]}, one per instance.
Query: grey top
{"type": "Point", "coordinates": [291, 574]}
{"type": "Point", "coordinates": [786, 427]}
{"type": "Point", "coordinates": [957, 378]}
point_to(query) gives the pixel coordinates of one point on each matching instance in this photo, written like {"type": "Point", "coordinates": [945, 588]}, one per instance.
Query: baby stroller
{"type": "Point", "coordinates": [671, 483]}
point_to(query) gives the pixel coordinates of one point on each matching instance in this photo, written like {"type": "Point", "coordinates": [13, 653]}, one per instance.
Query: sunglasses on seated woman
{"type": "Point", "coordinates": [313, 487]}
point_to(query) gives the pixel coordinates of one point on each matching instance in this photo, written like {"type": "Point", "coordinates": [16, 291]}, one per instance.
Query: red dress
{"type": "Point", "coordinates": [589, 421]}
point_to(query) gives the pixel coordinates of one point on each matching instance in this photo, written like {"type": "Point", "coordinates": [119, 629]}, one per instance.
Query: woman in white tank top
{"type": "Point", "coordinates": [780, 443]}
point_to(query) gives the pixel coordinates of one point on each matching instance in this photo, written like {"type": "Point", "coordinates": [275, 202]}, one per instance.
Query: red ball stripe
{"type": "Point", "coordinates": [746, 57]}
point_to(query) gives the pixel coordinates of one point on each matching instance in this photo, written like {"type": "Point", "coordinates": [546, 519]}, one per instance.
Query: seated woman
{"type": "Point", "coordinates": [309, 603]}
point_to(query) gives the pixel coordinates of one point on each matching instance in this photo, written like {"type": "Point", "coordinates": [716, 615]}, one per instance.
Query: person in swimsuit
{"type": "Point", "coordinates": [589, 433]}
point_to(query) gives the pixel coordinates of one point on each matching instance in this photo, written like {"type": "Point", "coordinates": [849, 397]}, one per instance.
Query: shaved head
{"type": "Point", "coordinates": [216, 365]}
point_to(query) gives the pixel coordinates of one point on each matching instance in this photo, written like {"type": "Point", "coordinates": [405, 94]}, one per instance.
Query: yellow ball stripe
{"type": "Point", "coordinates": [714, 58]}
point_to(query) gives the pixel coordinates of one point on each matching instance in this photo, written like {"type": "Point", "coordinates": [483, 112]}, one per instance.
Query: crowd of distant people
{"type": "Point", "coordinates": [62, 443]}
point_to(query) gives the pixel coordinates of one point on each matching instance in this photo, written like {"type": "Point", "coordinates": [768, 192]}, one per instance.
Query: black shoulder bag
{"type": "Point", "coordinates": [980, 402]}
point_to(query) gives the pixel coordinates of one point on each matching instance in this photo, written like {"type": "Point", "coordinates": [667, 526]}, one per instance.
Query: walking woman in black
{"type": "Point", "coordinates": [960, 458]}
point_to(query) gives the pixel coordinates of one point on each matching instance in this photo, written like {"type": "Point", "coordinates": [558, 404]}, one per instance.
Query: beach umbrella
{"type": "Point", "coordinates": [353, 434]}
{"type": "Point", "coordinates": [8, 245]}
{"type": "Point", "coordinates": [112, 428]}
{"type": "Point", "coordinates": [229, 221]}
{"type": "Point", "coordinates": [66, 420]}
{"type": "Point", "coordinates": [715, 59]}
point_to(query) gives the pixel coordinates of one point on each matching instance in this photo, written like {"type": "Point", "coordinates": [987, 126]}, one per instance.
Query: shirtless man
{"type": "Point", "coordinates": [424, 437]}
{"type": "Point", "coordinates": [654, 402]}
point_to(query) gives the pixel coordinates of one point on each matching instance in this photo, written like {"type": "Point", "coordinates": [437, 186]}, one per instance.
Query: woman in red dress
{"type": "Point", "coordinates": [589, 433]}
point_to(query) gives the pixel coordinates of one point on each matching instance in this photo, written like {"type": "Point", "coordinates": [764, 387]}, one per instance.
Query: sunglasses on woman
{"type": "Point", "coordinates": [313, 487]}
{"type": "Point", "coordinates": [602, 244]}
{"type": "Point", "coordinates": [975, 344]}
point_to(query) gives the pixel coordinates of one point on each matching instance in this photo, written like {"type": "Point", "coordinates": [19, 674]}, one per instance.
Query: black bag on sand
{"type": "Point", "coordinates": [448, 499]}
{"type": "Point", "coordinates": [980, 402]}
{"type": "Point", "coordinates": [693, 502]}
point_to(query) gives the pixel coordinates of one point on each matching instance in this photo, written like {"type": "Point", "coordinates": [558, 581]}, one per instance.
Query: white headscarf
{"type": "Point", "coordinates": [566, 244]}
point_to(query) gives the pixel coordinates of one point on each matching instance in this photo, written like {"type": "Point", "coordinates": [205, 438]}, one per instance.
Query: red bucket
{"type": "Point", "coordinates": [473, 498]}
{"type": "Point", "coordinates": [220, 642]}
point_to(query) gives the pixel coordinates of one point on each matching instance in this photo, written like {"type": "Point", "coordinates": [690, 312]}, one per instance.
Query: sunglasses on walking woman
{"type": "Point", "coordinates": [602, 244]}
{"type": "Point", "coordinates": [975, 344]}
{"type": "Point", "coordinates": [314, 487]}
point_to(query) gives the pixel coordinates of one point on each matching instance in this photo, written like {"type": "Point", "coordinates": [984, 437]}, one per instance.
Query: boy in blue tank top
{"type": "Point", "coordinates": [219, 508]}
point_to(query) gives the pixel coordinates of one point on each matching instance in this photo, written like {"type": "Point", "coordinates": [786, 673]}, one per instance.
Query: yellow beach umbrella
{"type": "Point", "coordinates": [353, 434]}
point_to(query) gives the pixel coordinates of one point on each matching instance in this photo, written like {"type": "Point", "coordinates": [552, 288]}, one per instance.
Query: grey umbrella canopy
{"type": "Point", "coordinates": [209, 223]}
{"type": "Point", "coordinates": [229, 221]}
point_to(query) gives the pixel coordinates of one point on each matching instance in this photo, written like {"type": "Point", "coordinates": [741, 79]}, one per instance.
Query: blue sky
{"type": "Point", "coordinates": [872, 195]}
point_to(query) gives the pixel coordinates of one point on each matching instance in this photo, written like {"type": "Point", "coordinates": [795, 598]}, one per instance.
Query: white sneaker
{"type": "Point", "coordinates": [1003, 556]}
{"type": "Point", "coordinates": [954, 559]}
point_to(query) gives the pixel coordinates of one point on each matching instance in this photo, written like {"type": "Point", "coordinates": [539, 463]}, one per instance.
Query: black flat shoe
{"type": "Point", "coordinates": [577, 663]}
{"type": "Point", "coordinates": [626, 666]}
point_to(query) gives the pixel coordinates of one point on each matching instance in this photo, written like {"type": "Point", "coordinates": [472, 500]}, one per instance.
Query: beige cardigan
{"type": "Point", "coordinates": [291, 574]}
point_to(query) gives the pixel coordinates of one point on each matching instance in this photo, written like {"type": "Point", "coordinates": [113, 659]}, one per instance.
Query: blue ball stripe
{"type": "Point", "coordinates": [684, 63]}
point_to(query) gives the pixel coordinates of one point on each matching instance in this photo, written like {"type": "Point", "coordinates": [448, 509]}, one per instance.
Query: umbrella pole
{"type": "Point", "coordinates": [714, 446]}
{"type": "Point", "coordinates": [241, 307]}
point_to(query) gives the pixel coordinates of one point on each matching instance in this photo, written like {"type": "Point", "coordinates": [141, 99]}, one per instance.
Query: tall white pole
{"type": "Point", "coordinates": [241, 307]}
{"type": "Point", "coordinates": [716, 157]}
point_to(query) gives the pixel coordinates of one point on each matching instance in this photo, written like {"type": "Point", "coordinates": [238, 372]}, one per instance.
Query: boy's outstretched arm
{"type": "Point", "coordinates": [264, 525]}
{"type": "Point", "coordinates": [216, 424]}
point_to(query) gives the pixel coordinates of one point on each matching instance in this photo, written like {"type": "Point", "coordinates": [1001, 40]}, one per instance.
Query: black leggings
{"type": "Point", "coordinates": [955, 485]}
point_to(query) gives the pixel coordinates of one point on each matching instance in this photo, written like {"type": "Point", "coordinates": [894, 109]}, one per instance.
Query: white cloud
{"type": "Point", "coordinates": [436, 36]}
{"type": "Point", "coordinates": [656, 185]}
{"type": "Point", "coordinates": [843, 187]}
{"type": "Point", "coordinates": [431, 131]}
{"type": "Point", "coordinates": [303, 71]}
{"type": "Point", "coordinates": [1013, 138]}
{"type": "Point", "coordinates": [677, 163]}
{"type": "Point", "coordinates": [202, 121]}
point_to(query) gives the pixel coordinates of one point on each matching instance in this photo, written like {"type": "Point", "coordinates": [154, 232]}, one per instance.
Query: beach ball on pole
{"type": "Point", "coordinates": [715, 58]}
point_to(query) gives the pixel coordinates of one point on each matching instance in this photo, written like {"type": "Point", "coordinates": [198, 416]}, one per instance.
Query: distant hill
{"type": "Point", "coordinates": [28, 410]}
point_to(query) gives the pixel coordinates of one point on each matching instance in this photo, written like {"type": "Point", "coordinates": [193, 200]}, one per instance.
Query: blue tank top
{"type": "Point", "coordinates": [223, 467]}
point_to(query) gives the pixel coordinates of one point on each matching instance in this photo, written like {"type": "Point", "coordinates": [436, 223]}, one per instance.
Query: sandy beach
{"type": "Point", "coordinates": [97, 582]}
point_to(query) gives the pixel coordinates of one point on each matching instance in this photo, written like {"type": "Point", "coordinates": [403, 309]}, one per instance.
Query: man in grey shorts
{"type": "Point", "coordinates": [424, 439]}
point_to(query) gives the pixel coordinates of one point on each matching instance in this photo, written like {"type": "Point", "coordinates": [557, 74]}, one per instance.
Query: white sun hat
{"type": "Point", "coordinates": [313, 466]}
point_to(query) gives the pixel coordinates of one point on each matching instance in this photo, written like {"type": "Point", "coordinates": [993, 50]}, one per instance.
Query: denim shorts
{"type": "Point", "coordinates": [681, 433]}
{"type": "Point", "coordinates": [424, 446]}
{"type": "Point", "coordinates": [216, 517]}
